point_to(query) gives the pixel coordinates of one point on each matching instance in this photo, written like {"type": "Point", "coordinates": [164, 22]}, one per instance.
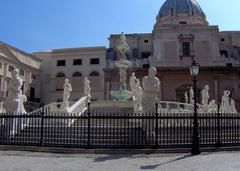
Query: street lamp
{"type": "Point", "coordinates": [194, 69]}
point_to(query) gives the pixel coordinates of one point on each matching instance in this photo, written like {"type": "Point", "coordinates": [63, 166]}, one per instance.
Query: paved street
{"type": "Point", "coordinates": [27, 161]}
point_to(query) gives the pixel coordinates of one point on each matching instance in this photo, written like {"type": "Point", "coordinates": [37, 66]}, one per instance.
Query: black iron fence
{"type": "Point", "coordinates": [118, 130]}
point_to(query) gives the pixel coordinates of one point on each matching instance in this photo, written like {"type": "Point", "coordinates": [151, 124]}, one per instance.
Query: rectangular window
{"type": "Point", "coordinates": [224, 53]}
{"type": "Point", "coordinates": [21, 72]}
{"type": "Point", "coordinates": [61, 63]}
{"type": "Point", "coordinates": [182, 22]}
{"type": "Point", "coordinates": [33, 76]}
{"type": "Point", "coordinates": [145, 65]}
{"type": "Point", "coordinates": [77, 62]}
{"type": "Point", "coordinates": [145, 55]}
{"type": "Point", "coordinates": [10, 68]}
{"type": "Point", "coordinates": [94, 61]}
{"type": "Point", "coordinates": [186, 49]}
{"type": "Point", "coordinates": [59, 89]}
{"type": "Point", "coordinates": [135, 53]}
{"type": "Point", "coordinates": [0, 65]}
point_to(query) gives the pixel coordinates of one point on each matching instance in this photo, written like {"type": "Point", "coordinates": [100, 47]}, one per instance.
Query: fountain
{"type": "Point", "coordinates": [123, 94]}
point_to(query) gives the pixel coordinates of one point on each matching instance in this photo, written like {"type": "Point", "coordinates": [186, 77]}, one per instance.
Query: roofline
{"type": "Point", "coordinates": [130, 34]}
{"type": "Point", "coordinates": [19, 50]}
{"type": "Point", "coordinates": [96, 48]}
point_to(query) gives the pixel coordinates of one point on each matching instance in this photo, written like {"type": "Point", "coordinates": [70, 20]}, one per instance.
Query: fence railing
{"type": "Point", "coordinates": [119, 130]}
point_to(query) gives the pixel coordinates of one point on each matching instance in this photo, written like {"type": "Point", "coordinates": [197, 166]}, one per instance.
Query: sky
{"type": "Point", "coordinates": [41, 25]}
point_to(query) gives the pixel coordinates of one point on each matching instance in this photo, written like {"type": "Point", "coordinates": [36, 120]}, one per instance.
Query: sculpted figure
{"type": "Point", "coordinates": [212, 107]}
{"type": "Point", "coordinates": [14, 93]}
{"type": "Point", "coordinates": [67, 88]}
{"type": "Point", "coordinates": [191, 93]}
{"type": "Point", "coordinates": [233, 107]}
{"type": "Point", "coordinates": [186, 97]}
{"type": "Point", "coordinates": [14, 104]}
{"type": "Point", "coordinates": [87, 89]}
{"type": "Point", "coordinates": [225, 105]}
{"type": "Point", "coordinates": [123, 40]}
{"type": "Point", "coordinates": [133, 81]}
{"type": "Point", "coordinates": [138, 93]}
{"type": "Point", "coordinates": [205, 98]}
{"type": "Point", "coordinates": [151, 87]}
{"type": "Point", "coordinates": [228, 104]}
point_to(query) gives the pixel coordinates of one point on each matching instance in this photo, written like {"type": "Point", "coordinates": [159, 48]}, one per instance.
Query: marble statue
{"type": "Point", "coordinates": [186, 97]}
{"type": "Point", "coordinates": [225, 104]}
{"type": "Point", "coordinates": [132, 81]}
{"type": "Point", "coordinates": [138, 94]}
{"type": "Point", "coordinates": [233, 107]}
{"type": "Point", "coordinates": [205, 98]}
{"type": "Point", "coordinates": [228, 104]}
{"type": "Point", "coordinates": [14, 103]}
{"type": "Point", "coordinates": [67, 88]}
{"type": "Point", "coordinates": [212, 107]}
{"type": "Point", "coordinates": [151, 88]}
{"type": "Point", "coordinates": [123, 40]}
{"type": "Point", "coordinates": [87, 89]}
{"type": "Point", "coordinates": [191, 96]}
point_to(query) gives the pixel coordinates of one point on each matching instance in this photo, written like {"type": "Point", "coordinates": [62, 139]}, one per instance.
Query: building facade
{"type": "Point", "coordinates": [181, 33]}
{"type": "Point", "coordinates": [29, 71]}
{"type": "Point", "coordinates": [74, 64]}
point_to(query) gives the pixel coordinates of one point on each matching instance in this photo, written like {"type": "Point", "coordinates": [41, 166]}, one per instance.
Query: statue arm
{"type": "Point", "coordinates": [156, 85]}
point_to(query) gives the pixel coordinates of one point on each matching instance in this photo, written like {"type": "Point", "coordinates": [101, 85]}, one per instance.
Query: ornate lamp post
{"type": "Point", "coordinates": [194, 69]}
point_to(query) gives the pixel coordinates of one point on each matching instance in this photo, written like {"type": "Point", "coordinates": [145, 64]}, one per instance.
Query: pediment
{"type": "Point", "coordinates": [8, 55]}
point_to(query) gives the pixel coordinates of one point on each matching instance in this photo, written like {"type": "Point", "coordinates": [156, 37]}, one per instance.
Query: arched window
{"type": "Point", "coordinates": [94, 74]}
{"type": "Point", "coordinates": [60, 75]}
{"type": "Point", "coordinates": [77, 74]}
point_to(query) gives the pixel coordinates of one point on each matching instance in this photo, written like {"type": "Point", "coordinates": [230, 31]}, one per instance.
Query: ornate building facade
{"type": "Point", "coordinates": [181, 33]}
{"type": "Point", "coordinates": [29, 71]}
{"type": "Point", "coordinates": [73, 64]}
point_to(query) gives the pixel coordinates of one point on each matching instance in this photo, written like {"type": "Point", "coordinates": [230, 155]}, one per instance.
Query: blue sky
{"type": "Point", "coordinates": [37, 25]}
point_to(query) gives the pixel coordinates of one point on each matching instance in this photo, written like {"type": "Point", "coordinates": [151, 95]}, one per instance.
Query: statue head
{"type": "Point", "coordinates": [227, 93]}
{"type": "Point", "coordinates": [152, 72]}
{"type": "Point", "coordinates": [133, 74]}
{"type": "Point", "coordinates": [66, 80]}
{"type": "Point", "coordinates": [15, 73]}
{"type": "Point", "coordinates": [206, 87]}
{"type": "Point", "coordinates": [123, 37]}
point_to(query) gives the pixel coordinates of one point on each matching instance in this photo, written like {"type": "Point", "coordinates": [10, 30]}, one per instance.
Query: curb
{"type": "Point", "coordinates": [90, 151]}
{"type": "Point", "coordinates": [107, 151]}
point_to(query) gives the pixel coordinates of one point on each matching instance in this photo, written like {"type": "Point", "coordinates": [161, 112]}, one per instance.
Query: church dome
{"type": "Point", "coordinates": [181, 8]}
